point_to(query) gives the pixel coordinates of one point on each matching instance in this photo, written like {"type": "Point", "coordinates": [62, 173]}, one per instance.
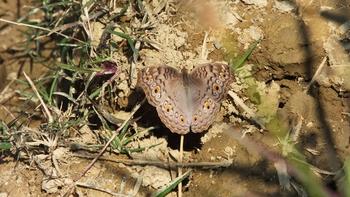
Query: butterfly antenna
{"type": "Point", "coordinates": [180, 168]}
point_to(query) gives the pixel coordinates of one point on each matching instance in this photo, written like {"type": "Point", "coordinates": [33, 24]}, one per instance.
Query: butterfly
{"type": "Point", "coordinates": [186, 101]}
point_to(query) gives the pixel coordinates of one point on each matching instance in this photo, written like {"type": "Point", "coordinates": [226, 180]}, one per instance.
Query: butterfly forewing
{"type": "Point", "coordinates": [164, 89]}
{"type": "Point", "coordinates": [185, 101]}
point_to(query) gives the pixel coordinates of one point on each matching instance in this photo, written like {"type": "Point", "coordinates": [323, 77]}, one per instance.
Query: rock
{"type": "Point", "coordinates": [339, 61]}
{"type": "Point", "coordinates": [97, 31]}
{"type": "Point", "coordinates": [336, 53]}
{"type": "Point", "coordinates": [301, 105]}
{"type": "Point", "coordinates": [284, 6]}
{"type": "Point", "coordinates": [3, 194]}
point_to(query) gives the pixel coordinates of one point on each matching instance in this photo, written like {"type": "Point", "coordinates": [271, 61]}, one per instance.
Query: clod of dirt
{"type": "Point", "coordinates": [259, 3]}
{"type": "Point", "coordinates": [151, 175]}
{"type": "Point", "coordinates": [96, 33]}
{"type": "Point", "coordinates": [51, 186]}
{"type": "Point", "coordinates": [86, 136]}
{"type": "Point", "coordinates": [335, 75]}
{"type": "Point", "coordinates": [270, 95]}
{"type": "Point", "coordinates": [18, 180]}
{"type": "Point", "coordinates": [335, 51]}
{"type": "Point", "coordinates": [214, 131]}
{"type": "Point", "coordinates": [159, 152]}
{"type": "Point", "coordinates": [171, 40]}
{"type": "Point", "coordinates": [301, 104]}
{"type": "Point", "coordinates": [284, 41]}
{"type": "Point", "coordinates": [338, 71]}
{"type": "Point", "coordinates": [3, 194]}
{"type": "Point", "coordinates": [253, 33]}
{"type": "Point", "coordinates": [284, 6]}
{"type": "Point", "coordinates": [155, 177]}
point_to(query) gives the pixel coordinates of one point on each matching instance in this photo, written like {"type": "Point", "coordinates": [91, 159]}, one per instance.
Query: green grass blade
{"type": "Point", "coordinates": [242, 59]}
{"type": "Point", "coordinates": [130, 41]}
{"type": "Point", "coordinates": [140, 5]}
{"type": "Point", "coordinates": [95, 93]}
{"type": "Point", "coordinates": [135, 135]}
{"type": "Point", "coordinates": [5, 146]}
{"type": "Point", "coordinates": [172, 185]}
{"type": "Point", "coordinates": [116, 143]}
{"type": "Point", "coordinates": [68, 45]}
{"type": "Point", "coordinates": [42, 91]}
{"type": "Point", "coordinates": [131, 150]}
{"type": "Point", "coordinates": [78, 69]}
{"type": "Point", "coordinates": [66, 96]}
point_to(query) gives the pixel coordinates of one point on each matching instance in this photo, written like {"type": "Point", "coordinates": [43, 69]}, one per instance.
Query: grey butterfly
{"type": "Point", "coordinates": [186, 101]}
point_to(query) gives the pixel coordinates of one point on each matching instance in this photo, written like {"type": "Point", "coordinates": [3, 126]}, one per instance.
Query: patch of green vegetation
{"type": "Point", "coordinates": [5, 143]}
{"type": "Point", "coordinates": [61, 39]}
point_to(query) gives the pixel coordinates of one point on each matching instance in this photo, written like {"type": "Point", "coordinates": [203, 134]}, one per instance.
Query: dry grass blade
{"type": "Point", "coordinates": [4, 99]}
{"type": "Point", "coordinates": [238, 101]}
{"type": "Point", "coordinates": [317, 73]}
{"type": "Point", "coordinates": [6, 88]}
{"type": "Point", "coordinates": [47, 111]}
{"type": "Point", "coordinates": [38, 27]}
{"type": "Point", "coordinates": [89, 186]}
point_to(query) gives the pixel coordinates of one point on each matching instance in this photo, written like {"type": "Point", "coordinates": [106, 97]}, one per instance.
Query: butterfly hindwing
{"type": "Point", "coordinates": [208, 94]}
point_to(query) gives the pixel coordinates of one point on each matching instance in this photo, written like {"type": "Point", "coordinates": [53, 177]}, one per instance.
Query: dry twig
{"type": "Point", "coordinates": [165, 165]}
{"type": "Point", "coordinates": [317, 73]}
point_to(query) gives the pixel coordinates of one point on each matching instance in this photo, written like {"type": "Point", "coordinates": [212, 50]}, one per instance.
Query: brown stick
{"type": "Point", "coordinates": [179, 188]}
{"type": "Point", "coordinates": [163, 164]}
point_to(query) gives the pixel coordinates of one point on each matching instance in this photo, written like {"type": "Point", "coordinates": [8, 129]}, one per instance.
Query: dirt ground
{"type": "Point", "coordinates": [295, 38]}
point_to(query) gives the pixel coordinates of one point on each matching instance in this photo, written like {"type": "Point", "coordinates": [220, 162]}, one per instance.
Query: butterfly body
{"type": "Point", "coordinates": [186, 101]}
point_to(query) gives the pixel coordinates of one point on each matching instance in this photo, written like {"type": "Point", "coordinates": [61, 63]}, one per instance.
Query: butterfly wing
{"type": "Point", "coordinates": [211, 82]}
{"type": "Point", "coordinates": [164, 89]}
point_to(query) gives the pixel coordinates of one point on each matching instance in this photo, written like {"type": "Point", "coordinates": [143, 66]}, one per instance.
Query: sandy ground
{"type": "Point", "coordinates": [187, 38]}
